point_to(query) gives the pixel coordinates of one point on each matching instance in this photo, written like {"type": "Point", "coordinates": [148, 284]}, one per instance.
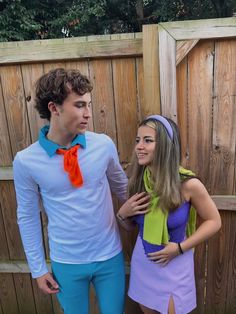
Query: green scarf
{"type": "Point", "coordinates": [155, 221]}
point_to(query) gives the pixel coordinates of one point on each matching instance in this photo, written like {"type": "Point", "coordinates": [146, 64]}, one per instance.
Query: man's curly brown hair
{"type": "Point", "coordinates": [56, 85]}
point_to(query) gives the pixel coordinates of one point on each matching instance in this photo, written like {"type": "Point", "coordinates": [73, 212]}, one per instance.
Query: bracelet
{"type": "Point", "coordinates": [120, 218]}
{"type": "Point", "coordinates": [180, 248]}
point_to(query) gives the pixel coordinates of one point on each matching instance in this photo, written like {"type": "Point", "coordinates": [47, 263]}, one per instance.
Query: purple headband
{"type": "Point", "coordinates": [165, 122]}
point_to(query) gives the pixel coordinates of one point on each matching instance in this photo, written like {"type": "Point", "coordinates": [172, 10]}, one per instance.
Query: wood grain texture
{"type": "Point", "coordinates": [140, 89]}
{"type": "Point", "coordinates": [5, 145]}
{"type": "Point", "coordinates": [43, 302]}
{"type": "Point", "coordinates": [152, 101]}
{"type": "Point", "coordinates": [103, 98]}
{"type": "Point", "coordinates": [8, 205]}
{"type": "Point", "coordinates": [183, 47]}
{"type": "Point", "coordinates": [199, 29]}
{"type": "Point", "coordinates": [25, 297]}
{"type": "Point", "coordinates": [200, 260]}
{"type": "Point", "coordinates": [167, 55]}
{"type": "Point", "coordinates": [6, 173]}
{"type": "Point", "coordinates": [8, 299]}
{"type": "Point", "coordinates": [224, 118]}
{"type": "Point", "coordinates": [200, 85]}
{"type": "Point", "coordinates": [225, 202]}
{"type": "Point", "coordinates": [15, 106]}
{"type": "Point", "coordinates": [4, 252]}
{"type": "Point", "coordinates": [218, 267]}
{"type": "Point", "coordinates": [182, 109]}
{"type": "Point", "coordinates": [30, 74]}
{"type": "Point", "coordinates": [56, 305]}
{"type": "Point", "coordinates": [125, 92]}
{"type": "Point", "coordinates": [230, 306]}
{"type": "Point", "coordinates": [69, 49]}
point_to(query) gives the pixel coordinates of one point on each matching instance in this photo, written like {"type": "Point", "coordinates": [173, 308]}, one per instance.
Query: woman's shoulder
{"type": "Point", "coordinates": [190, 187]}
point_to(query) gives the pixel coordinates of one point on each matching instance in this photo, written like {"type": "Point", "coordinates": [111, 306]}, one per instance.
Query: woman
{"type": "Point", "coordinates": [164, 200]}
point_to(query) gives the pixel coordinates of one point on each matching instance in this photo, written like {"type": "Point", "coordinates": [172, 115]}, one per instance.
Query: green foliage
{"type": "Point", "coordinates": [34, 19]}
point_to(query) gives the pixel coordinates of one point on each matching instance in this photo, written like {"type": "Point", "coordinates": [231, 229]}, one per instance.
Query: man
{"type": "Point", "coordinates": [72, 171]}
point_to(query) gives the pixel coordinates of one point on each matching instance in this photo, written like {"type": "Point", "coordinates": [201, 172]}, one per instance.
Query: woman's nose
{"type": "Point", "coordinates": [140, 145]}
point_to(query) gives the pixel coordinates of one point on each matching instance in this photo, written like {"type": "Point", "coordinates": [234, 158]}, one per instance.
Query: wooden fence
{"type": "Point", "coordinates": [186, 70]}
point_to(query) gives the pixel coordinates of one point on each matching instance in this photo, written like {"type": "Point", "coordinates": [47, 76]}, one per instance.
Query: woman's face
{"type": "Point", "coordinates": [145, 145]}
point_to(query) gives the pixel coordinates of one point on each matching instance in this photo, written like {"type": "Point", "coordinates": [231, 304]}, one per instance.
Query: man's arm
{"type": "Point", "coordinates": [117, 178]}
{"type": "Point", "coordinates": [28, 218]}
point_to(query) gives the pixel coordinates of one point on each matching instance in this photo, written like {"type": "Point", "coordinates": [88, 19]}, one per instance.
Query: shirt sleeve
{"type": "Point", "coordinates": [28, 217]}
{"type": "Point", "coordinates": [116, 176]}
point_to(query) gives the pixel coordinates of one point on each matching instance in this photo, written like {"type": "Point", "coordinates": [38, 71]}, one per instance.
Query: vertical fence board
{"type": "Point", "coordinates": [103, 97]}
{"type": "Point", "coordinates": [125, 105]}
{"type": "Point", "coordinates": [217, 270]}
{"type": "Point", "coordinates": [83, 66]}
{"type": "Point", "coordinates": [43, 302]}
{"type": "Point", "coordinates": [221, 292]}
{"type": "Point", "coordinates": [230, 307]}
{"type": "Point", "coordinates": [152, 101]}
{"type": "Point", "coordinates": [8, 204]}
{"type": "Point", "coordinates": [200, 259]}
{"type": "Point", "coordinates": [14, 99]}
{"type": "Point", "coordinates": [24, 293]}
{"type": "Point", "coordinates": [224, 118]}
{"type": "Point", "coordinates": [30, 73]}
{"type": "Point", "coordinates": [4, 253]}
{"type": "Point", "coordinates": [140, 90]}
{"type": "Point", "coordinates": [167, 52]}
{"type": "Point", "coordinates": [182, 108]}
{"type": "Point", "coordinates": [56, 306]}
{"type": "Point", "coordinates": [5, 146]}
{"type": "Point", "coordinates": [200, 63]}
{"type": "Point", "coordinates": [8, 298]}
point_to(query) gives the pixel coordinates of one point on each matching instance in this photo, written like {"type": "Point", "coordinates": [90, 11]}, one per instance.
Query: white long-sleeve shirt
{"type": "Point", "coordinates": [81, 223]}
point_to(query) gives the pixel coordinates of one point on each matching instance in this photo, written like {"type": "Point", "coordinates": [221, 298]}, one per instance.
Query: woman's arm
{"type": "Point", "coordinates": [135, 205]}
{"type": "Point", "coordinates": [196, 192]}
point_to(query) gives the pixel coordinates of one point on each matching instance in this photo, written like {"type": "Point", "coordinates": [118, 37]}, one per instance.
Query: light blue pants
{"type": "Point", "coordinates": [107, 277]}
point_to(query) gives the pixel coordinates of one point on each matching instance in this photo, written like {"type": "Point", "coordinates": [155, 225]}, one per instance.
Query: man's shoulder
{"type": "Point", "coordinates": [32, 149]}
{"type": "Point", "coordinates": [97, 137]}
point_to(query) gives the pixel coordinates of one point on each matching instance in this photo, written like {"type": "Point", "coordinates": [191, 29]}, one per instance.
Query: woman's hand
{"type": "Point", "coordinates": [164, 256]}
{"type": "Point", "coordinates": [135, 205]}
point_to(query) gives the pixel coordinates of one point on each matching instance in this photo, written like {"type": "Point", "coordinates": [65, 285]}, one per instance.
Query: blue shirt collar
{"type": "Point", "coordinates": [51, 147]}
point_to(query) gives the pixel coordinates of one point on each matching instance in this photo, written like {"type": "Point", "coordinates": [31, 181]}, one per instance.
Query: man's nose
{"type": "Point", "coordinates": [88, 112]}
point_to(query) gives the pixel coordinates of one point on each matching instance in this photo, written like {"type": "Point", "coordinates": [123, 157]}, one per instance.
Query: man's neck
{"type": "Point", "coordinates": [59, 137]}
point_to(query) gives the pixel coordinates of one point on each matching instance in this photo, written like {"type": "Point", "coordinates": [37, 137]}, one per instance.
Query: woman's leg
{"type": "Point", "coordinates": [171, 308]}
{"type": "Point", "coordinates": [146, 310]}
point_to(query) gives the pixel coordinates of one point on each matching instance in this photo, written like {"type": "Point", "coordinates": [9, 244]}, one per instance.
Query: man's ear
{"type": "Point", "coordinates": [52, 107]}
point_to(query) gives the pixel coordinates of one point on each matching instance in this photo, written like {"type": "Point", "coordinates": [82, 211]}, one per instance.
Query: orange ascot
{"type": "Point", "coordinates": [71, 165]}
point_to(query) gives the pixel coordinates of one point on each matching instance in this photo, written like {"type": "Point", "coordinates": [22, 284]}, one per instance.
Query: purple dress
{"type": "Point", "coordinates": [152, 284]}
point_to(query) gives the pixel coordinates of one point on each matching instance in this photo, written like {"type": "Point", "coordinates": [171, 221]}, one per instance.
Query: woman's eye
{"type": "Point", "coordinates": [148, 140]}
{"type": "Point", "coordinates": [137, 140]}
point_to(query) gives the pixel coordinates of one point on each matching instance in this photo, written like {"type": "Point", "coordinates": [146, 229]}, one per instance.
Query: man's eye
{"type": "Point", "coordinates": [79, 105]}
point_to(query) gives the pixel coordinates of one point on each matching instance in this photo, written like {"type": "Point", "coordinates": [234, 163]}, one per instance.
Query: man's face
{"type": "Point", "coordinates": [74, 113]}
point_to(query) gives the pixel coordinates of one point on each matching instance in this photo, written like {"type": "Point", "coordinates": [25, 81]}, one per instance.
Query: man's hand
{"type": "Point", "coordinates": [47, 284]}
